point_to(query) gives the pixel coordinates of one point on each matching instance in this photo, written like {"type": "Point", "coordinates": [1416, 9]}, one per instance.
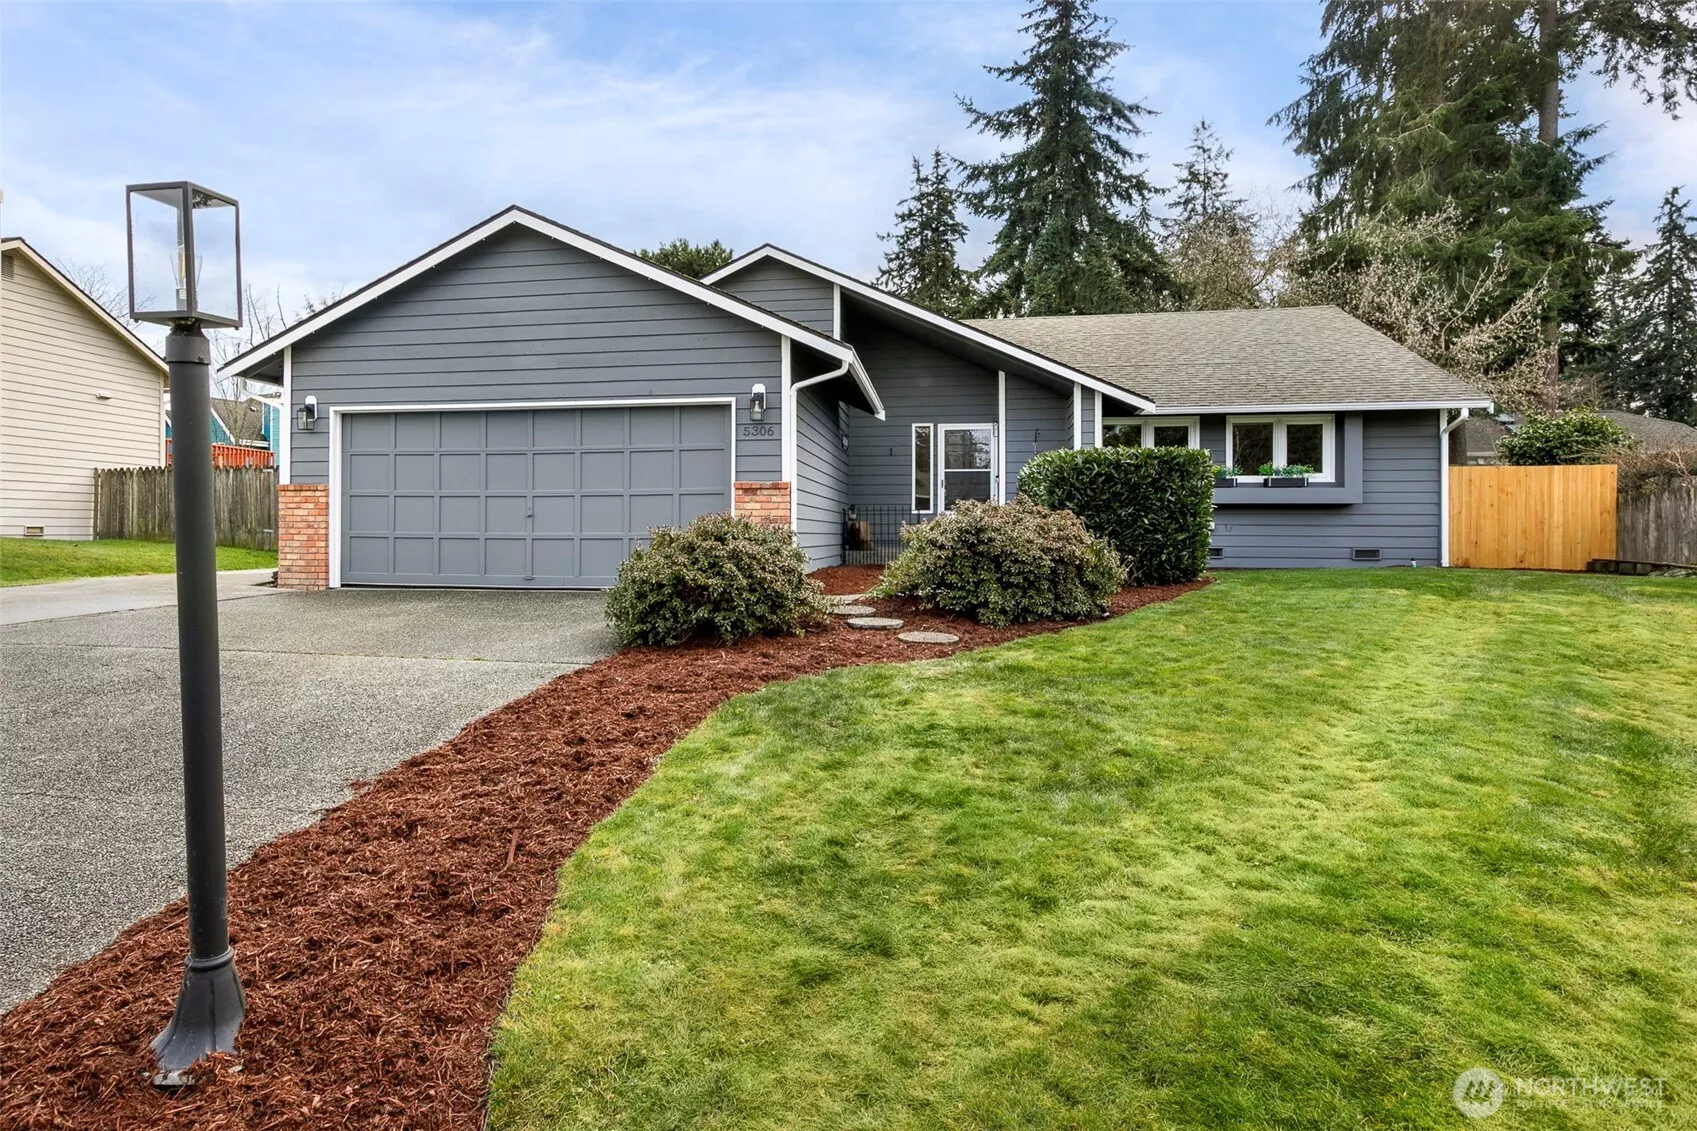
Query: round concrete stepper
{"type": "Point", "coordinates": [845, 599]}
{"type": "Point", "coordinates": [852, 610]}
{"type": "Point", "coordinates": [928, 637]}
{"type": "Point", "coordinates": [884, 623]}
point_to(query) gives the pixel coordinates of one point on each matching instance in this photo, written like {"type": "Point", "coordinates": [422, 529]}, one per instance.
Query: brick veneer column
{"type": "Point", "coordinates": [765, 503]}
{"type": "Point", "coordinates": [303, 536]}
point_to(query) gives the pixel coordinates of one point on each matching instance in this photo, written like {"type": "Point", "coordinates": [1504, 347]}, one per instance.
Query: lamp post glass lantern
{"type": "Point", "coordinates": [185, 272]}
{"type": "Point", "coordinates": [185, 255]}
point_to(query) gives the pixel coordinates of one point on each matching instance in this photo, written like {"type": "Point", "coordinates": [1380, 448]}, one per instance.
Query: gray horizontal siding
{"type": "Point", "coordinates": [919, 384]}
{"type": "Point", "coordinates": [1087, 418]}
{"type": "Point", "coordinates": [1398, 514]}
{"type": "Point", "coordinates": [1039, 420]}
{"type": "Point", "coordinates": [521, 317]}
{"type": "Point", "coordinates": [822, 477]}
{"type": "Point", "coordinates": [784, 290]}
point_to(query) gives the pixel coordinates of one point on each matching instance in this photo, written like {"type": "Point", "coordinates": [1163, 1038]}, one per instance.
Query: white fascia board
{"type": "Point", "coordinates": [1330, 406]}
{"type": "Point", "coordinates": [960, 329]}
{"type": "Point", "coordinates": [20, 246]}
{"type": "Point", "coordinates": [519, 217]}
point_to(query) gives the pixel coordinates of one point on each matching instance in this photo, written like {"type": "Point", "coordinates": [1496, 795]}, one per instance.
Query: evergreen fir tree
{"type": "Point", "coordinates": [1416, 107]}
{"type": "Point", "coordinates": [1072, 201]}
{"type": "Point", "coordinates": [695, 260]}
{"type": "Point", "coordinates": [1655, 367]}
{"type": "Point", "coordinates": [1204, 187]}
{"type": "Point", "coordinates": [922, 264]}
{"type": "Point", "coordinates": [1210, 237]}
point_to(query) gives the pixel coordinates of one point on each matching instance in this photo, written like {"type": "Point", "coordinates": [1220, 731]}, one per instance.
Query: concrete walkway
{"type": "Point", "coordinates": [20, 604]}
{"type": "Point", "coordinates": [319, 689]}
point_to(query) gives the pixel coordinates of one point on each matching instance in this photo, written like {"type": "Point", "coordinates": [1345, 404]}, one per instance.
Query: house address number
{"type": "Point", "coordinates": [758, 432]}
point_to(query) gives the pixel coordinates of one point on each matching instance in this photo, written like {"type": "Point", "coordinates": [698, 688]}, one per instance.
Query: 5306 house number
{"type": "Point", "coordinates": [758, 432]}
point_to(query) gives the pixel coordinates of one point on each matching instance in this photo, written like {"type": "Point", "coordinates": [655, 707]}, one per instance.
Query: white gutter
{"type": "Point", "coordinates": [1444, 430]}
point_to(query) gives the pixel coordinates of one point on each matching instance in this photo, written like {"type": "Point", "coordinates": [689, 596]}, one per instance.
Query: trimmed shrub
{"type": "Point", "coordinates": [1153, 505]}
{"type": "Point", "coordinates": [722, 577]}
{"type": "Point", "coordinates": [1002, 564]}
{"type": "Point", "coordinates": [1579, 436]}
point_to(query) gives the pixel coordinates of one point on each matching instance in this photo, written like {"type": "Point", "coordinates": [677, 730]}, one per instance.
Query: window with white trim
{"type": "Point", "coordinates": [1152, 432]}
{"type": "Point", "coordinates": [1254, 442]}
{"type": "Point", "coordinates": [969, 463]}
{"type": "Point", "coordinates": [922, 480]}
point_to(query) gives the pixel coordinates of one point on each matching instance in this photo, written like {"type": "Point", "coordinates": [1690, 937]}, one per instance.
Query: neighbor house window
{"type": "Point", "coordinates": [1152, 432]}
{"type": "Point", "coordinates": [922, 464]}
{"type": "Point", "coordinates": [968, 462]}
{"type": "Point", "coordinates": [1253, 442]}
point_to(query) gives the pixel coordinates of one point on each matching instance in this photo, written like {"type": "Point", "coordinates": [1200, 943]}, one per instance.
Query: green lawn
{"type": "Point", "coordinates": [25, 561]}
{"type": "Point", "coordinates": [1292, 851]}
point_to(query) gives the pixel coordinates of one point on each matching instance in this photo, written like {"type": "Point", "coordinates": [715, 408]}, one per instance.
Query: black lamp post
{"type": "Point", "coordinates": [185, 272]}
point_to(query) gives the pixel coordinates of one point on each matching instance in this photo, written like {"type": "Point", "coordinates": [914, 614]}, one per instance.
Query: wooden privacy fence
{"type": "Point", "coordinates": [1660, 524]}
{"type": "Point", "coordinates": [1532, 517]}
{"type": "Point", "coordinates": [135, 502]}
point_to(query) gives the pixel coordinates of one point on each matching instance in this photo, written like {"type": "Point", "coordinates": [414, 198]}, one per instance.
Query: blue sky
{"type": "Point", "coordinates": [357, 136]}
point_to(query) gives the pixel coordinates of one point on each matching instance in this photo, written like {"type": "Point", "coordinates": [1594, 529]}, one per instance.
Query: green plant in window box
{"type": "Point", "coordinates": [1226, 476]}
{"type": "Point", "coordinates": [1293, 475]}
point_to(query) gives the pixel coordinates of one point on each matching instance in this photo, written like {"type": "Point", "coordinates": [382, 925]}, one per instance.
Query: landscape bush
{"type": "Point", "coordinates": [1577, 436]}
{"type": "Point", "coordinates": [1153, 505]}
{"type": "Point", "coordinates": [1006, 564]}
{"type": "Point", "coordinates": [721, 577]}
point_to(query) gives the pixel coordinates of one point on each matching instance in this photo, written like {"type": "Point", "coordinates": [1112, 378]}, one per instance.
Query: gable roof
{"type": "Point", "coordinates": [1279, 359]}
{"type": "Point", "coordinates": [246, 363]}
{"type": "Point", "coordinates": [243, 419]}
{"type": "Point", "coordinates": [18, 245]}
{"type": "Point", "coordinates": [1021, 352]}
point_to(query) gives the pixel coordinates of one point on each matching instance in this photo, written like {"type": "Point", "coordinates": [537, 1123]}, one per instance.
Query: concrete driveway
{"type": "Point", "coordinates": [319, 689]}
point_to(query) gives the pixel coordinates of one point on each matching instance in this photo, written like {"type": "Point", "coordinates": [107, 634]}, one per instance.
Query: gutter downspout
{"type": "Point", "coordinates": [1444, 430]}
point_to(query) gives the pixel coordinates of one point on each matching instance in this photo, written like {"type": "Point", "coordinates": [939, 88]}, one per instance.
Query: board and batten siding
{"type": "Point", "coordinates": [919, 384]}
{"type": "Point", "coordinates": [522, 317]}
{"type": "Point", "coordinates": [822, 476]}
{"type": "Point", "coordinates": [784, 290]}
{"type": "Point", "coordinates": [1398, 514]}
{"type": "Point", "coordinates": [55, 355]}
{"type": "Point", "coordinates": [1039, 419]}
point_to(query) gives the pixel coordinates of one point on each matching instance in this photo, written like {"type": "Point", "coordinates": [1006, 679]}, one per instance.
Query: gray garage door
{"type": "Point", "coordinates": [538, 497]}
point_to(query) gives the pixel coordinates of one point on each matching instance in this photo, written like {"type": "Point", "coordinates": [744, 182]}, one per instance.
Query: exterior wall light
{"type": "Point", "coordinates": [757, 403]}
{"type": "Point", "coordinates": [306, 416]}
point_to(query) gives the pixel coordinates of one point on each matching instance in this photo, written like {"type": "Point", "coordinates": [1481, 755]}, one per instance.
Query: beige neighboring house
{"type": "Point", "coordinates": [78, 390]}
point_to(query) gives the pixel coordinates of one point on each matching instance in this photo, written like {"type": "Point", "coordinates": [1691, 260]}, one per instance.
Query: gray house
{"type": "Point", "coordinates": [519, 405]}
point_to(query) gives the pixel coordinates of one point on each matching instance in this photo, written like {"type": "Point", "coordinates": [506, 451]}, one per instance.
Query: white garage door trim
{"type": "Point", "coordinates": [339, 411]}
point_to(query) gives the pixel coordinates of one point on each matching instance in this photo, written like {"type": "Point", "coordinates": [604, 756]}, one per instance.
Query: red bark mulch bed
{"type": "Point", "coordinates": [848, 581]}
{"type": "Point", "coordinates": [377, 946]}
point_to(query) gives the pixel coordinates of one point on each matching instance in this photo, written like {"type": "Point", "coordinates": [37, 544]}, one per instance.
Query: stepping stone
{"type": "Point", "coordinates": [838, 599]}
{"type": "Point", "coordinates": [884, 623]}
{"type": "Point", "coordinates": [852, 610]}
{"type": "Point", "coordinates": [928, 637]}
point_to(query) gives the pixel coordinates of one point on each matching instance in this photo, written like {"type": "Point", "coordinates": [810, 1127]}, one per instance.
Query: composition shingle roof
{"type": "Point", "coordinates": [1654, 433]}
{"type": "Point", "coordinates": [1306, 355]}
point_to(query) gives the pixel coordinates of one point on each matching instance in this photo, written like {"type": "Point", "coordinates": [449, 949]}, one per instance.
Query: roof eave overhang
{"type": "Point", "coordinates": [245, 363]}
{"type": "Point", "coordinates": [1016, 353]}
{"type": "Point", "coordinates": [1322, 406]}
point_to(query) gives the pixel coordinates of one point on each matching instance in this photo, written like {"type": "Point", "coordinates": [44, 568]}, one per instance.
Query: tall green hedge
{"type": "Point", "coordinates": [1153, 505]}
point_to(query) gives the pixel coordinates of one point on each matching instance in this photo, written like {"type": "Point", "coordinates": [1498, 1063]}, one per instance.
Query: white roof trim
{"type": "Point", "coordinates": [18, 244]}
{"type": "Point", "coordinates": [1333, 406]}
{"type": "Point", "coordinates": [970, 333]}
{"type": "Point", "coordinates": [518, 216]}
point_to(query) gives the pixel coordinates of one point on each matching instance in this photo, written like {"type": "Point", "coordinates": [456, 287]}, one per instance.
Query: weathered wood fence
{"type": "Point", "coordinates": [1532, 517]}
{"type": "Point", "coordinates": [1660, 524]}
{"type": "Point", "coordinates": [135, 502]}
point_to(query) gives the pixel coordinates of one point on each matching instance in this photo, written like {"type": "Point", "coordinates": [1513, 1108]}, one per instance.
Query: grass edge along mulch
{"type": "Point", "coordinates": [377, 946]}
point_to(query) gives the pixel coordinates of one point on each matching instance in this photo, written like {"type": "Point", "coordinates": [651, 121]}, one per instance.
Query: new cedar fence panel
{"type": "Point", "coordinates": [135, 502]}
{"type": "Point", "coordinates": [1532, 517]}
{"type": "Point", "coordinates": [1660, 525]}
